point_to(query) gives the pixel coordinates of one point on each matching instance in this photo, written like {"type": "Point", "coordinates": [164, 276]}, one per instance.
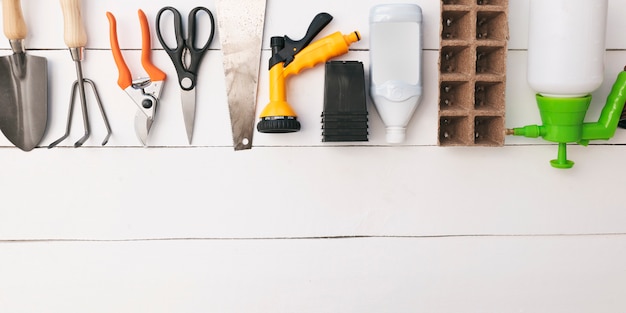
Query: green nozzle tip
{"type": "Point", "coordinates": [558, 164]}
{"type": "Point", "coordinates": [562, 162]}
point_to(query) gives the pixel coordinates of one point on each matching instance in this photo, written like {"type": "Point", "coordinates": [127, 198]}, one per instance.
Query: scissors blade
{"type": "Point", "coordinates": [241, 34]}
{"type": "Point", "coordinates": [189, 111]}
{"type": "Point", "coordinates": [142, 127]}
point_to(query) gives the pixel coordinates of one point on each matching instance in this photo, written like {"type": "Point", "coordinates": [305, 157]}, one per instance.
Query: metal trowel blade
{"type": "Point", "coordinates": [23, 99]}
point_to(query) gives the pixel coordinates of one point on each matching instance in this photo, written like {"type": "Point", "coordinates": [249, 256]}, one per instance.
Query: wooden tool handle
{"type": "Point", "coordinates": [73, 28]}
{"type": "Point", "coordinates": [13, 20]}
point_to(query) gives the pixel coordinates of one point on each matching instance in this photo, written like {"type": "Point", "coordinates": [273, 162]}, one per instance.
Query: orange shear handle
{"type": "Point", "coordinates": [155, 73]}
{"type": "Point", "coordinates": [124, 80]}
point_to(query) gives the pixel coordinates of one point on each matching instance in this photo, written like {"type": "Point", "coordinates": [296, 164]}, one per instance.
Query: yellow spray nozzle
{"type": "Point", "coordinates": [289, 57]}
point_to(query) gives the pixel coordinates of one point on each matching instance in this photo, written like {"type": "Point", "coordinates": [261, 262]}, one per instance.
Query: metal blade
{"type": "Point", "coordinates": [240, 26]}
{"type": "Point", "coordinates": [23, 99]}
{"type": "Point", "coordinates": [142, 127]}
{"type": "Point", "coordinates": [189, 110]}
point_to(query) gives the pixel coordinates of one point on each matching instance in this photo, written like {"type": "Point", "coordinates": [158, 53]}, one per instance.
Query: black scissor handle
{"type": "Point", "coordinates": [178, 31]}
{"type": "Point", "coordinates": [186, 71]}
{"type": "Point", "coordinates": [176, 53]}
{"type": "Point", "coordinates": [197, 53]}
{"type": "Point", "coordinates": [193, 16]}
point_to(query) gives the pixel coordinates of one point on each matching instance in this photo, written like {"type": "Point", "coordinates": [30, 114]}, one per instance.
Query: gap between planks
{"type": "Point", "coordinates": [338, 237]}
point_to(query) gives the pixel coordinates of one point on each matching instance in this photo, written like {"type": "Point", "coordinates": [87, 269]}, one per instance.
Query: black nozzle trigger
{"type": "Point", "coordinates": [292, 47]}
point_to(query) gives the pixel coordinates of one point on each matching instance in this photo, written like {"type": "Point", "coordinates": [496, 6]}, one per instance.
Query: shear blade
{"type": "Point", "coordinates": [142, 127]}
{"type": "Point", "coordinates": [189, 111]}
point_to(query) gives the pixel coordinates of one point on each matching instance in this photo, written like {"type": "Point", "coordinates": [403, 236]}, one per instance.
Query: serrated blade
{"type": "Point", "coordinates": [240, 27]}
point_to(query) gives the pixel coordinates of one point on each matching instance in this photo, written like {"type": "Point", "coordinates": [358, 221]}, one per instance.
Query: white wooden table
{"type": "Point", "coordinates": [294, 224]}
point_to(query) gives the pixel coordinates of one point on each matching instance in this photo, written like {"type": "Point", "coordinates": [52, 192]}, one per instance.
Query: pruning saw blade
{"type": "Point", "coordinates": [240, 26]}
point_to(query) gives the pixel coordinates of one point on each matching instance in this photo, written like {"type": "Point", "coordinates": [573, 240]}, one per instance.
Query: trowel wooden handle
{"type": "Point", "coordinates": [73, 28]}
{"type": "Point", "coordinates": [13, 20]}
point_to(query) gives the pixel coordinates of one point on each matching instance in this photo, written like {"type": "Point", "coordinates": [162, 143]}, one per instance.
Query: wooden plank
{"type": "Point", "coordinates": [305, 95]}
{"type": "Point", "coordinates": [446, 275]}
{"type": "Point", "coordinates": [348, 16]}
{"type": "Point", "coordinates": [271, 192]}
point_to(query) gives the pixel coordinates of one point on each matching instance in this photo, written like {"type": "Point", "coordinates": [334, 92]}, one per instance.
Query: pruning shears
{"type": "Point", "coordinates": [144, 91]}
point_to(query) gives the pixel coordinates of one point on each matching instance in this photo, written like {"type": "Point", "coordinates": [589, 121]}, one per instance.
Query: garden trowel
{"type": "Point", "coordinates": [23, 85]}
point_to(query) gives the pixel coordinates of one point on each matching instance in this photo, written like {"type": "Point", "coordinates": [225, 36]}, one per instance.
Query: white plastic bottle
{"type": "Point", "coordinates": [566, 44]}
{"type": "Point", "coordinates": [396, 65]}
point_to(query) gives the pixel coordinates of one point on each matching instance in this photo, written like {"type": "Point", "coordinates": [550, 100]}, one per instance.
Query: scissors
{"type": "Point", "coordinates": [186, 58]}
{"type": "Point", "coordinates": [144, 91]}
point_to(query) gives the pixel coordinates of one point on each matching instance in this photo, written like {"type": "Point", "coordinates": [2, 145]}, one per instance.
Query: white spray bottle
{"type": "Point", "coordinates": [566, 47]}
{"type": "Point", "coordinates": [396, 65]}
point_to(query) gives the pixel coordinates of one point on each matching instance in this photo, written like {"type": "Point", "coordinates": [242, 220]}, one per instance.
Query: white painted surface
{"type": "Point", "coordinates": [174, 228]}
{"type": "Point", "coordinates": [509, 275]}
